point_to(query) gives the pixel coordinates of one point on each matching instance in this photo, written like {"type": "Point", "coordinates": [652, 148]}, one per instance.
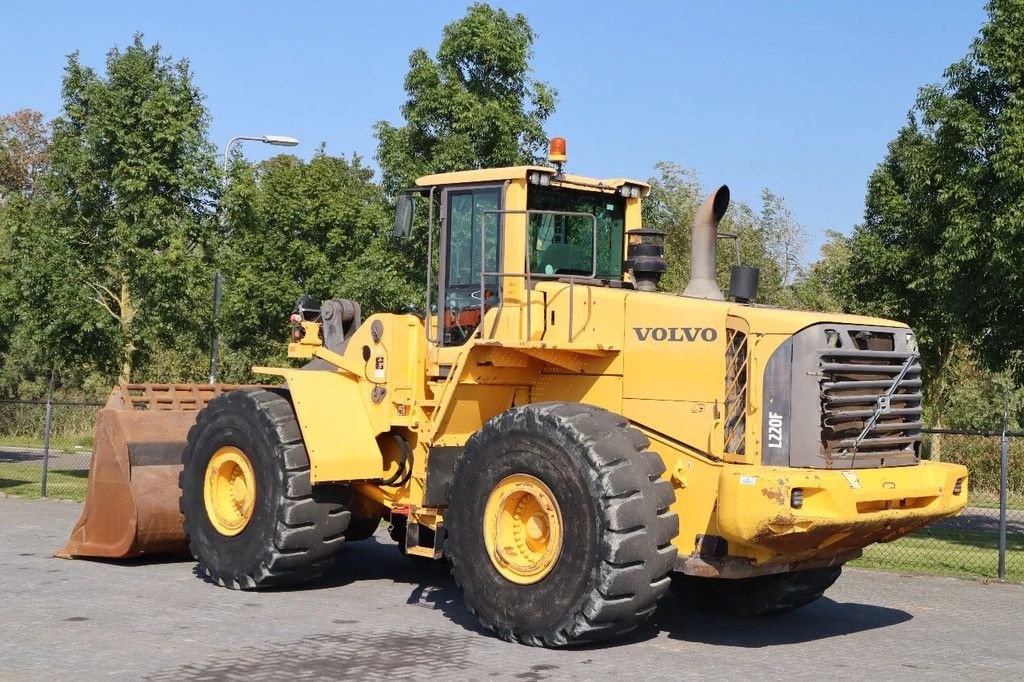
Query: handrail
{"type": "Point", "coordinates": [527, 275]}
{"type": "Point", "coordinates": [430, 265]}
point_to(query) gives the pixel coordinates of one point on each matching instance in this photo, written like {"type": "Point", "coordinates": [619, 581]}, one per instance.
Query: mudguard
{"type": "Point", "coordinates": [340, 438]}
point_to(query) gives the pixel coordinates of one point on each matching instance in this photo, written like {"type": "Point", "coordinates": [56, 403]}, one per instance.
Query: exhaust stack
{"type": "Point", "coordinates": [703, 247]}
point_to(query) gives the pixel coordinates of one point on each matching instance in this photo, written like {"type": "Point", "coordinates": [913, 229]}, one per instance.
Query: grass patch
{"type": "Point", "coordinates": [947, 552]}
{"type": "Point", "coordinates": [25, 480]}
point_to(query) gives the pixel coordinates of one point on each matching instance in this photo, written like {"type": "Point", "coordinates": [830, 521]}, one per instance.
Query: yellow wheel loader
{"type": "Point", "coordinates": [574, 441]}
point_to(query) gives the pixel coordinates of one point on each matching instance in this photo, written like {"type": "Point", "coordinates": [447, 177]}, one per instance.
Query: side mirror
{"type": "Point", "coordinates": [403, 215]}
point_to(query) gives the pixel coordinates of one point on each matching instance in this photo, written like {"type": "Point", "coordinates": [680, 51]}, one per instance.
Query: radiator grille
{"type": "Point", "coordinates": [735, 392]}
{"type": "Point", "coordinates": [853, 378]}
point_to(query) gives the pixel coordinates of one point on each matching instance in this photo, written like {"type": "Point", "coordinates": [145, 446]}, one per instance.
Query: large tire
{"type": "Point", "coordinates": [762, 595]}
{"type": "Point", "coordinates": [293, 532]}
{"type": "Point", "coordinates": [362, 528]}
{"type": "Point", "coordinates": [616, 549]}
{"type": "Point", "coordinates": [366, 517]}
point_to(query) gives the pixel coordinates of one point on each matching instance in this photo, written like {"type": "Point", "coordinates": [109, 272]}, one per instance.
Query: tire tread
{"type": "Point", "coordinates": [307, 532]}
{"type": "Point", "coordinates": [638, 529]}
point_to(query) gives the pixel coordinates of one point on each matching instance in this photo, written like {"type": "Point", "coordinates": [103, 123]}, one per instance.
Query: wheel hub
{"type": "Point", "coordinates": [523, 529]}
{"type": "Point", "coordinates": [229, 492]}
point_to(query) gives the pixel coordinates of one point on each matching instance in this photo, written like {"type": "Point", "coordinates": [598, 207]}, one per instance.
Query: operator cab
{"type": "Point", "coordinates": [503, 229]}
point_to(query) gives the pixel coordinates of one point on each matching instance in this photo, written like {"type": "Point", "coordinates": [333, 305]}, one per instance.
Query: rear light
{"type": "Point", "coordinates": [796, 498]}
{"type": "Point", "coordinates": [958, 487]}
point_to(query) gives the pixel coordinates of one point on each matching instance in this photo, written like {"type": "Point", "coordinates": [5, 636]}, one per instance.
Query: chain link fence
{"type": "Point", "coordinates": [46, 446]}
{"type": "Point", "coordinates": [987, 539]}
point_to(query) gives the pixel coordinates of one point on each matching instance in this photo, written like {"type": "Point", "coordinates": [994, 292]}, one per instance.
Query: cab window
{"type": "Point", "coordinates": [563, 245]}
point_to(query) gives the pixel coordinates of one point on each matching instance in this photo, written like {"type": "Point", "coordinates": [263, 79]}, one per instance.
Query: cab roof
{"type": "Point", "coordinates": [521, 172]}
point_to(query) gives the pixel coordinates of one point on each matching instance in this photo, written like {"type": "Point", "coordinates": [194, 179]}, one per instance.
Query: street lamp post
{"type": "Point", "coordinates": [277, 140]}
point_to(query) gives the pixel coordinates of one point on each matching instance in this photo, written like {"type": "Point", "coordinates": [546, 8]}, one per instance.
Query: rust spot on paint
{"type": "Point", "coordinates": [774, 494]}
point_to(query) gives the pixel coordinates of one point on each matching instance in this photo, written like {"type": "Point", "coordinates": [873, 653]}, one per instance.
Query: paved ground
{"type": "Point", "coordinates": [59, 459]}
{"type": "Point", "coordinates": [986, 520]}
{"type": "Point", "coordinates": [379, 615]}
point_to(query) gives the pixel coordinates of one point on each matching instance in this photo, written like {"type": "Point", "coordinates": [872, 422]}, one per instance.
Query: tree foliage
{"type": "Point", "coordinates": [473, 105]}
{"type": "Point", "coordinates": [24, 137]}
{"type": "Point", "coordinates": [769, 239]}
{"type": "Point", "coordinates": [114, 251]}
{"type": "Point", "coordinates": [294, 228]}
{"type": "Point", "coordinates": [943, 236]}
{"type": "Point", "coordinates": [824, 285]}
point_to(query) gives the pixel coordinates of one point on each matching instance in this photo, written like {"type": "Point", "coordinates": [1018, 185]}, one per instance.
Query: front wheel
{"type": "Point", "coordinates": [251, 515]}
{"type": "Point", "coordinates": [559, 529]}
{"type": "Point", "coordinates": [762, 595]}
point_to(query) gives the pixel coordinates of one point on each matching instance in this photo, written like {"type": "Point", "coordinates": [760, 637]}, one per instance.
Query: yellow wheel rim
{"type": "Point", "coordinates": [230, 490]}
{"type": "Point", "coordinates": [523, 529]}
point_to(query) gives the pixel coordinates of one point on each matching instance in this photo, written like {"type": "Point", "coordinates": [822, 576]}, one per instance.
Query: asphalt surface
{"type": "Point", "coordinates": [59, 459]}
{"type": "Point", "coordinates": [379, 615]}
{"type": "Point", "coordinates": [985, 520]}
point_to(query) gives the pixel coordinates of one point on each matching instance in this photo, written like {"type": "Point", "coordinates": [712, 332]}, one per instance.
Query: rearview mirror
{"type": "Point", "coordinates": [403, 215]}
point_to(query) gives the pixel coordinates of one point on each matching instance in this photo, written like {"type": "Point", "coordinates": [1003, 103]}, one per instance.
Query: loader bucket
{"type": "Point", "coordinates": [131, 505]}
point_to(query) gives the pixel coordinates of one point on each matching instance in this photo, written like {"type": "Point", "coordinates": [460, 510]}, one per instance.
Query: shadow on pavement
{"type": "Point", "coordinates": [379, 559]}
{"type": "Point", "coordinates": [433, 588]}
{"type": "Point", "coordinates": [820, 620]}
{"type": "Point", "coordinates": [145, 560]}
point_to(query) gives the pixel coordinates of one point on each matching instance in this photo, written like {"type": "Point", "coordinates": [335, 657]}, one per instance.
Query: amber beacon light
{"type": "Point", "coordinates": [556, 153]}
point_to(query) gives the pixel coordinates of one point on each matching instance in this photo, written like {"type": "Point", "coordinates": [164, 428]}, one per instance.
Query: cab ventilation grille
{"type": "Point", "coordinates": [735, 392]}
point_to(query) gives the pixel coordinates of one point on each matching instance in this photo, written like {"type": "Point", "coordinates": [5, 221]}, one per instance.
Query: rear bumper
{"type": "Point", "coordinates": [842, 511]}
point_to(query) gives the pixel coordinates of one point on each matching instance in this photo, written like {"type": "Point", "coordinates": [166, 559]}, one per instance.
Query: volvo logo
{"type": "Point", "coordinates": [676, 334]}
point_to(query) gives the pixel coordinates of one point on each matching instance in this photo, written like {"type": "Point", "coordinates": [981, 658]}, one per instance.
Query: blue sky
{"type": "Point", "coordinates": [800, 97]}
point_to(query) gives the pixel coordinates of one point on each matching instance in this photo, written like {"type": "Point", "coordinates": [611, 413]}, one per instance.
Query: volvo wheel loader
{"type": "Point", "coordinates": [574, 441]}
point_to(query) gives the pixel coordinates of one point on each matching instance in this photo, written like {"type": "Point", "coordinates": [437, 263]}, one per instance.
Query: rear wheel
{"type": "Point", "coordinates": [362, 528]}
{"type": "Point", "coordinates": [366, 517]}
{"type": "Point", "coordinates": [761, 595]}
{"type": "Point", "coordinates": [558, 529]}
{"type": "Point", "coordinates": [251, 515]}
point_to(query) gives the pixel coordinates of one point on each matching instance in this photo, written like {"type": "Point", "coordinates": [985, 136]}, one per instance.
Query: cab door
{"type": "Point", "coordinates": [470, 244]}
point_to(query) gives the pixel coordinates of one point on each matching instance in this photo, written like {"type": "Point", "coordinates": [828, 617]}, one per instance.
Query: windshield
{"type": "Point", "coordinates": [562, 245]}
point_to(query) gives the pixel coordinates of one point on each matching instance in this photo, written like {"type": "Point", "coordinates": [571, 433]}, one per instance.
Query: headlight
{"type": "Point", "coordinates": [911, 342]}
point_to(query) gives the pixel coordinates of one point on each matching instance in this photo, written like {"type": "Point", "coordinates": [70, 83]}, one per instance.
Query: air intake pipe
{"type": "Point", "coordinates": [703, 247]}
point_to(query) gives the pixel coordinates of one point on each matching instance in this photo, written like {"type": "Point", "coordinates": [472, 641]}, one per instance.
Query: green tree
{"type": "Point", "coordinates": [24, 137]}
{"type": "Point", "coordinates": [320, 228]}
{"type": "Point", "coordinates": [769, 239]}
{"type": "Point", "coordinates": [951, 195]}
{"type": "Point", "coordinates": [825, 284]}
{"type": "Point", "coordinates": [472, 106]}
{"type": "Point", "coordinates": [905, 263]}
{"type": "Point", "coordinates": [112, 261]}
{"type": "Point", "coordinates": [943, 236]}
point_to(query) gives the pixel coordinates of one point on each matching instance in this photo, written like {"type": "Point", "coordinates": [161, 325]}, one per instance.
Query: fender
{"type": "Point", "coordinates": [340, 439]}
